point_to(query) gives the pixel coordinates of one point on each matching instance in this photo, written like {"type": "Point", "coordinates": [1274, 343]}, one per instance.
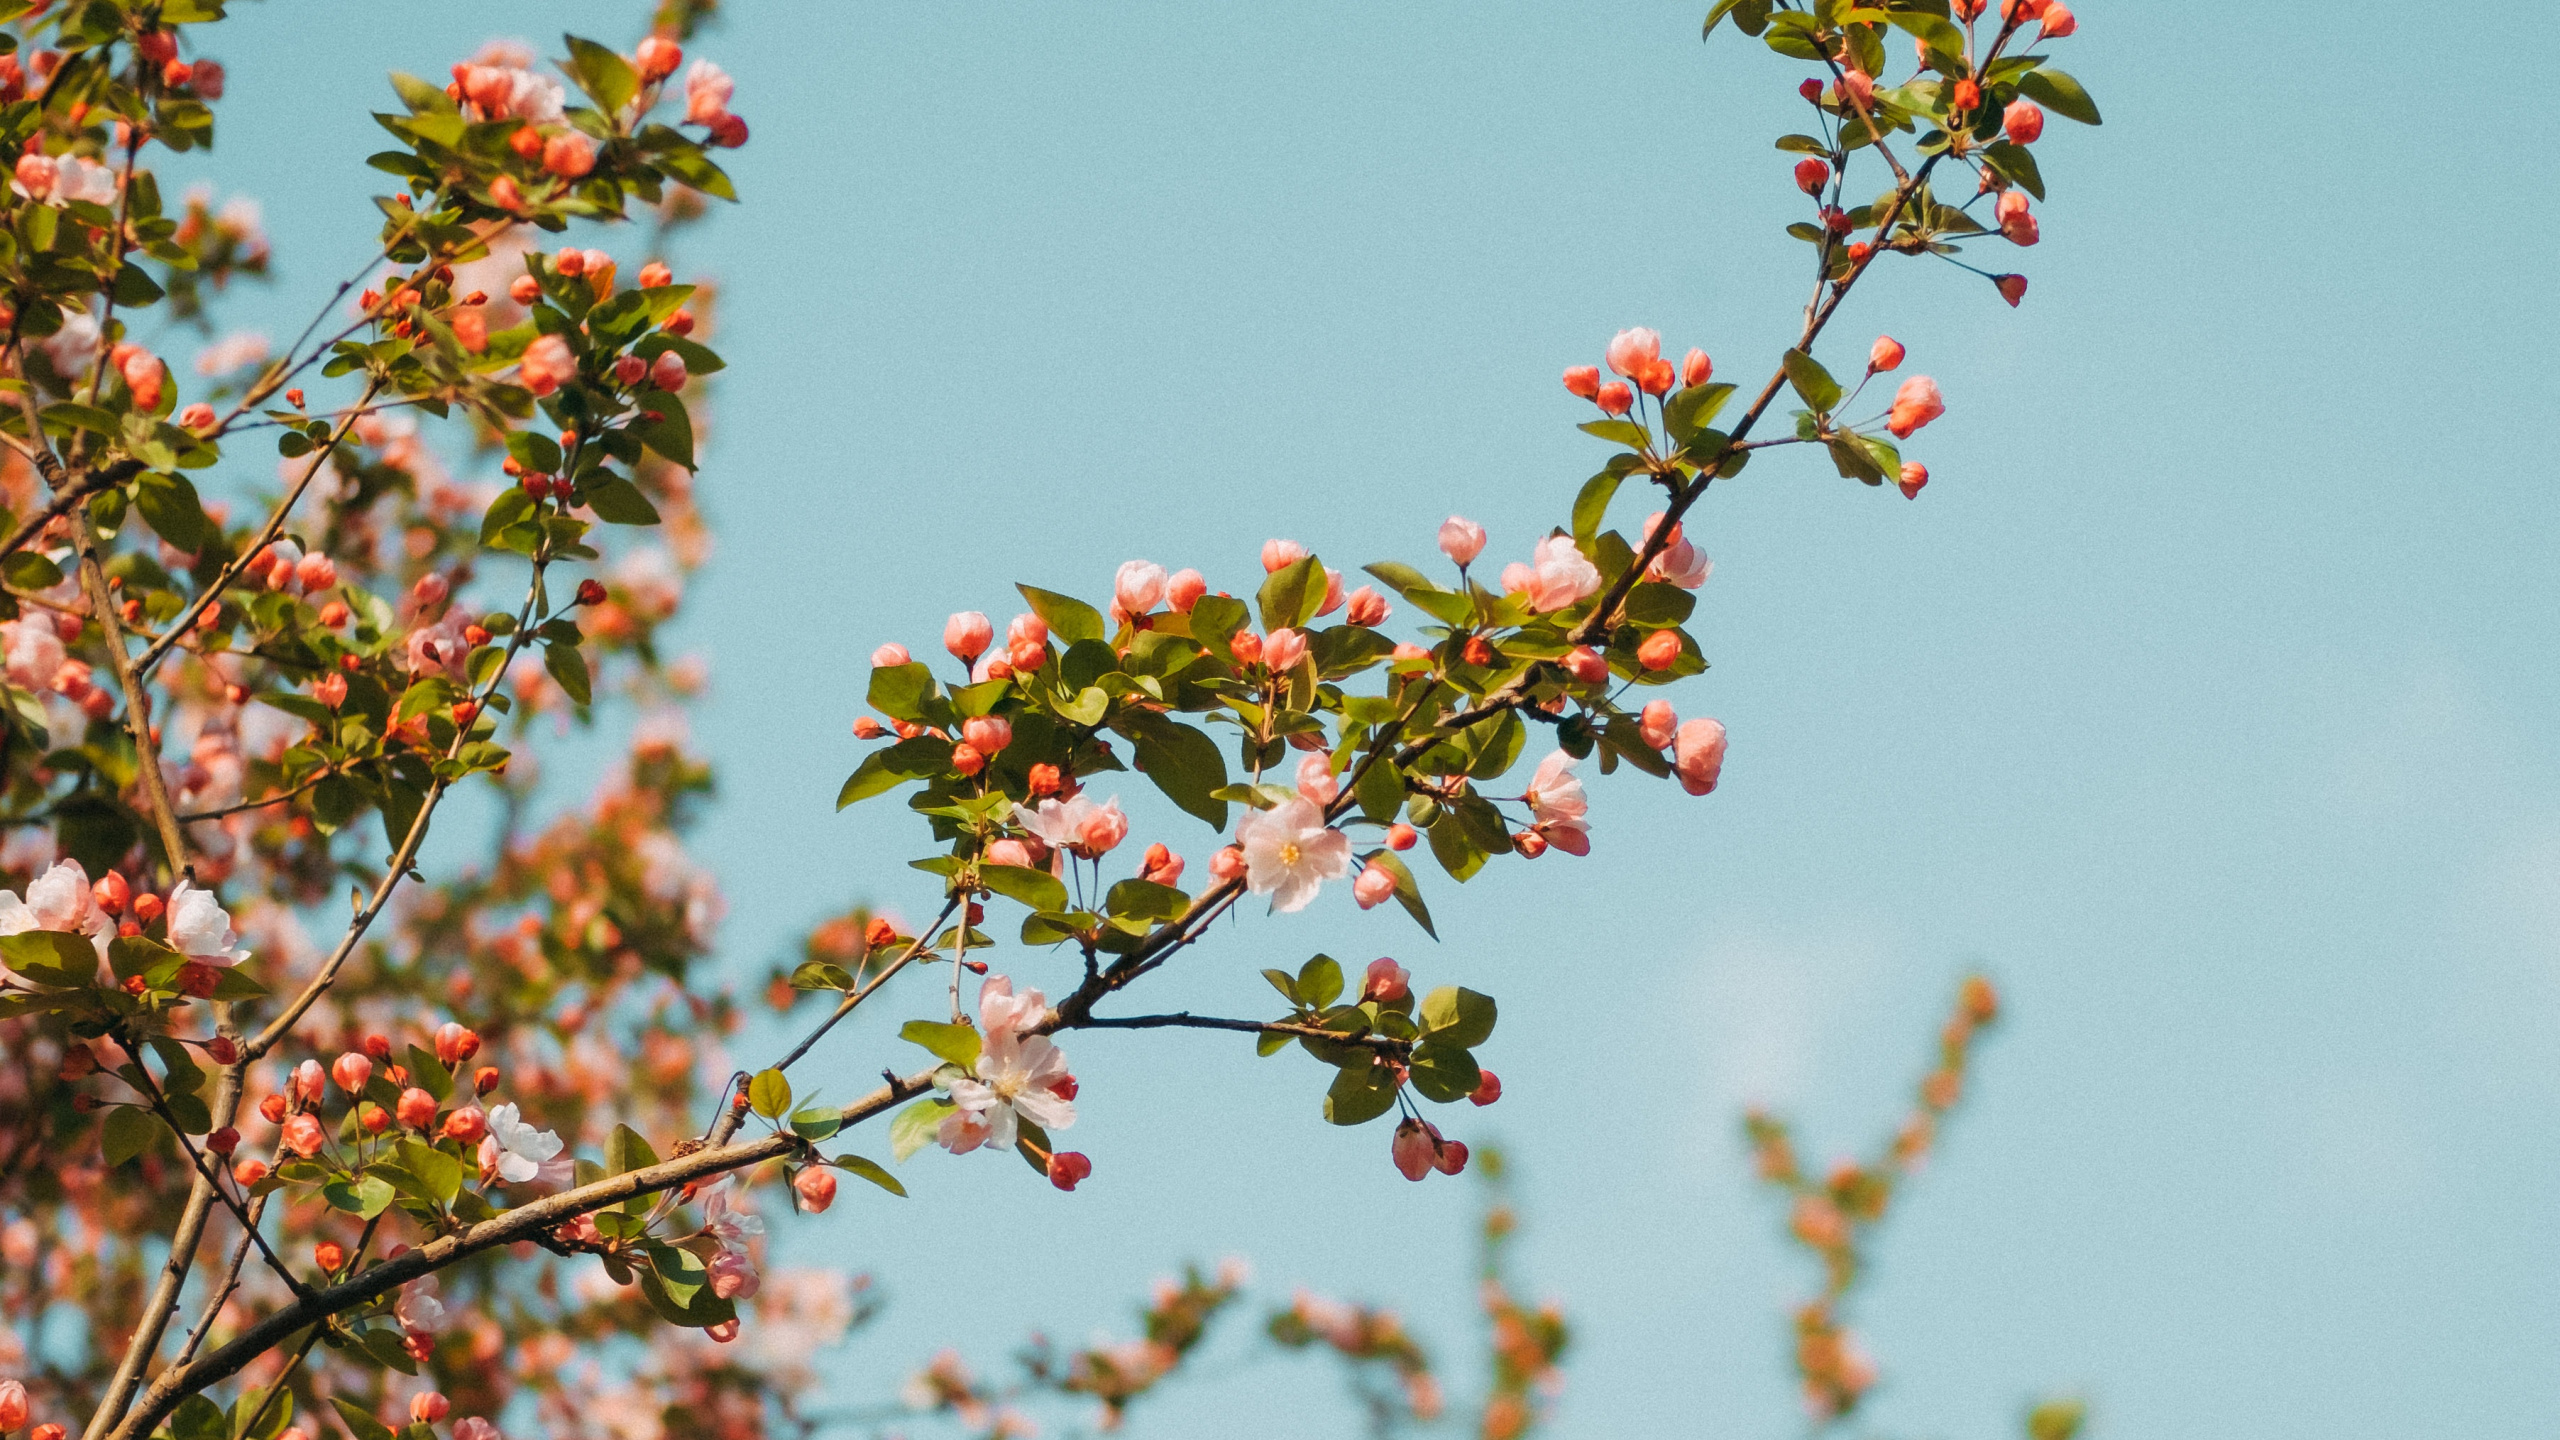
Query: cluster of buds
{"type": "Point", "coordinates": [1636, 356]}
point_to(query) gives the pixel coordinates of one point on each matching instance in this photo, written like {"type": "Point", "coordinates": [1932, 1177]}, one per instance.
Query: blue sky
{"type": "Point", "coordinates": [2205, 697]}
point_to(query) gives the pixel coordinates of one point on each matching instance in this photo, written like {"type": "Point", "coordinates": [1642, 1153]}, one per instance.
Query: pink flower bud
{"type": "Point", "coordinates": [1415, 1148]}
{"type": "Point", "coordinates": [1657, 378]}
{"type": "Point", "coordinates": [1161, 865]}
{"type": "Point", "coordinates": [1138, 587]}
{"type": "Point", "coordinates": [249, 1172]}
{"type": "Point", "coordinates": [816, 1187]}
{"type": "Point", "coordinates": [1616, 399]}
{"type": "Point", "coordinates": [1368, 607]}
{"type": "Point", "coordinates": [302, 1134]}
{"type": "Point", "coordinates": [1315, 779]}
{"type": "Point", "coordinates": [1184, 590]}
{"type": "Point", "coordinates": [1914, 405]}
{"type": "Point", "coordinates": [891, 654]}
{"type": "Point", "coordinates": [198, 417]}
{"type": "Point", "coordinates": [1660, 650]}
{"type": "Point", "coordinates": [1228, 863]}
{"type": "Point", "coordinates": [658, 57]}
{"type": "Point", "coordinates": [667, 371]}
{"type": "Point", "coordinates": [315, 573]}
{"type": "Point", "coordinates": [967, 635]}
{"type": "Point", "coordinates": [1009, 852]}
{"type": "Point", "coordinates": [1885, 354]}
{"type": "Point", "coordinates": [1278, 555]}
{"type": "Point", "coordinates": [309, 1080]}
{"type": "Point", "coordinates": [467, 1125]}
{"type": "Point", "coordinates": [1582, 380]}
{"type": "Point", "coordinates": [1246, 647]}
{"type": "Point", "coordinates": [571, 261]}
{"type": "Point", "coordinates": [416, 1109]}
{"type": "Point", "coordinates": [724, 1332]}
{"type": "Point", "coordinates": [2023, 121]}
{"type": "Point", "coordinates": [1068, 1169]}
{"type": "Point", "coordinates": [548, 363]}
{"type": "Point", "coordinates": [1401, 836]}
{"type": "Point", "coordinates": [1859, 86]}
{"type": "Point", "coordinates": [1696, 369]}
{"type": "Point", "coordinates": [456, 1042]}
{"type": "Point", "coordinates": [469, 1427]}
{"type": "Point", "coordinates": [13, 1405]}
{"type": "Point", "coordinates": [1461, 539]}
{"type": "Point", "coordinates": [2015, 221]}
{"type": "Point", "coordinates": [1282, 649]}
{"type": "Point", "coordinates": [1699, 755]}
{"type": "Point", "coordinates": [1386, 981]}
{"type": "Point", "coordinates": [1812, 175]}
{"type": "Point", "coordinates": [990, 733]}
{"type": "Point", "coordinates": [569, 155]}
{"type": "Point", "coordinates": [1488, 1089]}
{"type": "Point", "coordinates": [967, 760]}
{"type": "Point", "coordinates": [35, 175]}
{"type": "Point", "coordinates": [1659, 724]}
{"type": "Point", "coordinates": [351, 1071]}
{"type": "Point", "coordinates": [1374, 887]}
{"type": "Point", "coordinates": [1632, 352]}
{"type": "Point", "coordinates": [429, 1406]}
{"type": "Point", "coordinates": [1914, 476]}
{"type": "Point", "coordinates": [733, 1276]}
{"type": "Point", "coordinates": [2013, 288]}
{"type": "Point", "coordinates": [1102, 830]}
{"type": "Point", "coordinates": [1332, 592]}
{"type": "Point", "coordinates": [1586, 665]}
{"type": "Point", "coordinates": [2058, 21]}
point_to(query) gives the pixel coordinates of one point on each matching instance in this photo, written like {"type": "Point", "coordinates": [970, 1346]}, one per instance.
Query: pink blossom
{"type": "Point", "coordinates": [1557, 804]}
{"type": "Point", "coordinates": [2058, 21]}
{"type": "Point", "coordinates": [474, 1427]}
{"type": "Point", "coordinates": [1137, 588]}
{"type": "Point", "coordinates": [1658, 724]}
{"type": "Point", "coordinates": [1557, 576]}
{"type": "Point", "coordinates": [1332, 593]}
{"type": "Point", "coordinates": [1017, 1078]}
{"type": "Point", "coordinates": [1386, 981]}
{"type": "Point", "coordinates": [733, 1276]}
{"type": "Point", "coordinates": [1076, 825]}
{"type": "Point", "coordinates": [2017, 225]}
{"type": "Point", "coordinates": [1367, 608]}
{"type": "Point", "coordinates": [1699, 756]}
{"type": "Point", "coordinates": [1185, 589]}
{"type": "Point", "coordinates": [1009, 851]}
{"type": "Point", "coordinates": [722, 1220]}
{"type": "Point", "coordinates": [200, 929]}
{"type": "Point", "coordinates": [967, 635]}
{"type": "Point", "coordinates": [1680, 562]}
{"type": "Point", "coordinates": [1279, 555]}
{"type": "Point", "coordinates": [988, 733]}
{"type": "Point", "coordinates": [1632, 352]}
{"type": "Point", "coordinates": [707, 92]}
{"type": "Point", "coordinates": [1282, 649]}
{"type": "Point", "coordinates": [1885, 354]}
{"type": "Point", "coordinates": [1289, 852]}
{"type": "Point", "coordinates": [35, 653]}
{"type": "Point", "coordinates": [1098, 832]}
{"type": "Point", "coordinates": [1373, 887]}
{"type": "Point", "coordinates": [547, 364]}
{"type": "Point", "coordinates": [418, 1309]}
{"type": "Point", "coordinates": [1315, 779]}
{"type": "Point", "coordinates": [891, 654]}
{"type": "Point", "coordinates": [2024, 122]}
{"type": "Point", "coordinates": [1914, 405]}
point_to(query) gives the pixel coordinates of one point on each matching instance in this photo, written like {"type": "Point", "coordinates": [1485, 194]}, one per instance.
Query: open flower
{"type": "Point", "coordinates": [199, 928]}
{"type": "Point", "coordinates": [522, 1152]}
{"type": "Point", "coordinates": [726, 1223]}
{"type": "Point", "coordinates": [1289, 852]}
{"type": "Point", "coordinates": [1558, 806]}
{"type": "Point", "coordinates": [1019, 1077]}
{"type": "Point", "coordinates": [1556, 576]}
{"type": "Point", "coordinates": [418, 1308]}
{"type": "Point", "coordinates": [59, 899]}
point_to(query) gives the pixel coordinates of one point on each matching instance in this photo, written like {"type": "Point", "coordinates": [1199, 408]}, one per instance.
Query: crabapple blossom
{"type": "Point", "coordinates": [1316, 780]}
{"type": "Point", "coordinates": [1279, 555]}
{"type": "Point", "coordinates": [891, 654]}
{"type": "Point", "coordinates": [418, 1307]}
{"type": "Point", "coordinates": [1696, 369]}
{"type": "Point", "coordinates": [1556, 800]}
{"type": "Point", "coordinates": [1660, 650]}
{"type": "Point", "coordinates": [1614, 398]}
{"type": "Point", "coordinates": [966, 635]}
{"type": "Point", "coordinates": [1367, 607]}
{"type": "Point", "coordinates": [1698, 755]}
{"type": "Point", "coordinates": [1914, 405]}
{"type": "Point", "coordinates": [733, 1276]}
{"type": "Point", "coordinates": [2015, 223]}
{"type": "Point", "coordinates": [514, 1150]}
{"type": "Point", "coordinates": [1289, 853]}
{"type": "Point", "coordinates": [1914, 476]}
{"type": "Point", "coordinates": [2057, 21]}
{"type": "Point", "coordinates": [428, 1407]}
{"type": "Point", "coordinates": [474, 1427]}
{"type": "Point", "coordinates": [1386, 981]}
{"type": "Point", "coordinates": [1138, 587]}
{"type": "Point", "coordinates": [1160, 865]}
{"type": "Point", "coordinates": [1658, 723]}
{"type": "Point", "coordinates": [547, 364]}
{"type": "Point", "coordinates": [1283, 648]}
{"type": "Point", "coordinates": [1185, 589]}
{"type": "Point", "coordinates": [13, 1405]}
{"type": "Point", "coordinates": [816, 1187]}
{"type": "Point", "coordinates": [351, 1071]}
{"type": "Point", "coordinates": [1558, 575]}
{"type": "Point", "coordinates": [2023, 122]}
{"type": "Point", "coordinates": [1069, 1168]}
{"type": "Point", "coordinates": [1373, 887]}
{"type": "Point", "coordinates": [1632, 353]}
{"type": "Point", "coordinates": [200, 929]}
{"type": "Point", "coordinates": [1017, 1077]}
{"type": "Point", "coordinates": [1885, 354]}
{"type": "Point", "coordinates": [303, 1136]}
{"type": "Point", "coordinates": [1582, 380]}
{"type": "Point", "coordinates": [707, 92]}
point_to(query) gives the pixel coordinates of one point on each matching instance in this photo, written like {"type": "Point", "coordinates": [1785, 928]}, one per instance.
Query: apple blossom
{"type": "Point", "coordinates": [707, 92]}
{"type": "Point", "coordinates": [1885, 354]}
{"type": "Point", "coordinates": [303, 1136]}
{"type": "Point", "coordinates": [1558, 575]}
{"type": "Point", "coordinates": [1016, 1076]}
{"type": "Point", "coordinates": [472, 1427]}
{"type": "Point", "coordinates": [200, 929]}
{"type": "Point", "coordinates": [1914, 476]}
{"type": "Point", "coordinates": [523, 1152]}
{"type": "Point", "coordinates": [967, 634]}
{"type": "Point", "coordinates": [1373, 887]}
{"type": "Point", "coordinates": [2015, 223]}
{"type": "Point", "coordinates": [429, 1406]}
{"type": "Point", "coordinates": [733, 1276]}
{"type": "Point", "coordinates": [2057, 21]}
{"type": "Point", "coordinates": [1279, 555]}
{"type": "Point", "coordinates": [1316, 780]}
{"type": "Point", "coordinates": [1582, 380]}
{"type": "Point", "coordinates": [1556, 800]}
{"type": "Point", "coordinates": [1289, 852]}
{"type": "Point", "coordinates": [1914, 405]}
{"type": "Point", "coordinates": [13, 1405]}
{"type": "Point", "coordinates": [1696, 369]}
{"type": "Point", "coordinates": [1068, 1169]}
{"type": "Point", "coordinates": [1138, 587]}
{"type": "Point", "coordinates": [1658, 724]}
{"type": "Point", "coordinates": [1461, 539]}
{"type": "Point", "coordinates": [2023, 121]}
{"type": "Point", "coordinates": [816, 1187]}
{"type": "Point", "coordinates": [547, 364]}
{"type": "Point", "coordinates": [1631, 353]}
{"type": "Point", "coordinates": [1615, 398]}
{"type": "Point", "coordinates": [1282, 649]}
{"type": "Point", "coordinates": [351, 1071]}
{"type": "Point", "coordinates": [989, 733]}
{"type": "Point", "coordinates": [891, 654]}
{"type": "Point", "coordinates": [1699, 755]}
{"type": "Point", "coordinates": [1185, 589]}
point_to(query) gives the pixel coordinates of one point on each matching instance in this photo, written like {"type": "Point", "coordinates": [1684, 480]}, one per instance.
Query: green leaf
{"type": "Point", "coordinates": [1819, 391]}
{"type": "Point", "coordinates": [900, 691]}
{"type": "Point", "coordinates": [51, 957]}
{"type": "Point", "coordinates": [619, 502]}
{"type": "Point", "coordinates": [915, 1126]}
{"type": "Point", "coordinates": [957, 1044]}
{"type": "Point", "coordinates": [689, 165]}
{"type": "Point", "coordinates": [1455, 1015]}
{"type": "Point", "coordinates": [27, 570]}
{"type": "Point", "coordinates": [884, 770]}
{"type": "Point", "coordinates": [568, 666]}
{"type": "Point", "coordinates": [1185, 764]}
{"type": "Point", "coordinates": [366, 1197]}
{"type": "Point", "coordinates": [1145, 900]}
{"type": "Point", "coordinates": [131, 955]}
{"type": "Point", "coordinates": [1359, 1093]}
{"type": "Point", "coordinates": [1290, 594]}
{"type": "Point", "coordinates": [1685, 414]}
{"type": "Point", "coordinates": [870, 1170]}
{"type": "Point", "coordinates": [2014, 162]}
{"type": "Point", "coordinates": [2056, 1420]}
{"type": "Point", "coordinates": [2059, 93]}
{"type": "Point", "coordinates": [1069, 619]}
{"type": "Point", "coordinates": [769, 1093]}
{"type": "Point", "coordinates": [1319, 982]}
{"type": "Point", "coordinates": [1623, 432]}
{"type": "Point", "coordinates": [1444, 1073]}
{"type": "Point", "coordinates": [1592, 506]}
{"type": "Point", "coordinates": [1456, 851]}
{"type": "Point", "coordinates": [127, 1133]}
{"type": "Point", "coordinates": [1036, 888]}
{"type": "Point", "coordinates": [818, 1122]}
{"type": "Point", "coordinates": [1408, 893]}
{"type": "Point", "coordinates": [360, 1421]}
{"type": "Point", "coordinates": [627, 1149]}
{"type": "Point", "coordinates": [699, 1310]}
{"type": "Point", "coordinates": [440, 1173]}
{"type": "Point", "coordinates": [1284, 982]}
{"type": "Point", "coordinates": [607, 78]}
{"type": "Point", "coordinates": [819, 975]}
